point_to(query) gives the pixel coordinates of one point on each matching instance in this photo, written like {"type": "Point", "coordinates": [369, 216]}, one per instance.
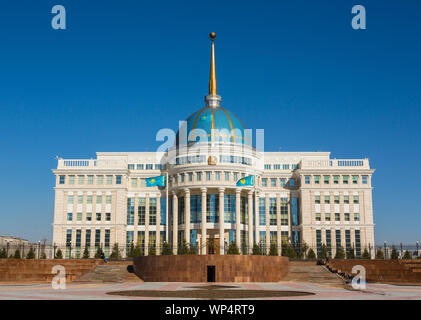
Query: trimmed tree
{"type": "Point", "coordinates": [273, 249]}
{"type": "Point", "coordinates": [115, 253]}
{"type": "Point", "coordinates": [59, 254]}
{"type": "Point", "coordinates": [311, 255]}
{"type": "Point", "coordinates": [137, 251]}
{"type": "Point", "coordinates": [366, 255]}
{"type": "Point", "coordinates": [303, 250]}
{"type": "Point", "coordinates": [394, 255]}
{"type": "Point", "coordinates": [85, 253]}
{"type": "Point", "coordinates": [131, 250]}
{"type": "Point", "coordinates": [256, 250]}
{"type": "Point", "coordinates": [290, 252]}
{"type": "Point", "coordinates": [166, 249]}
{"type": "Point", "coordinates": [407, 255]}
{"type": "Point", "coordinates": [233, 249]}
{"type": "Point", "coordinates": [184, 248]}
{"type": "Point", "coordinates": [340, 253]}
{"type": "Point", "coordinates": [17, 254]}
{"type": "Point", "coordinates": [324, 253]}
{"type": "Point", "coordinates": [3, 254]}
{"type": "Point", "coordinates": [350, 254]}
{"type": "Point", "coordinates": [98, 253]}
{"type": "Point", "coordinates": [379, 254]}
{"type": "Point", "coordinates": [31, 253]}
{"type": "Point", "coordinates": [152, 250]}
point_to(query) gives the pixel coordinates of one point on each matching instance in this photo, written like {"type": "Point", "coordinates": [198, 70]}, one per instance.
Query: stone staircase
{"type": "Point", "coordinates": [309, 271]}
{"type": "Point", "coordinates": [114, 271]}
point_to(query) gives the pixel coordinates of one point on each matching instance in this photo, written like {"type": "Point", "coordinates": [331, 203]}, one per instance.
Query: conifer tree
{"type": "Point", "coordinates": [59, 254]}
{"type": "Point", "coordinates": [379, 254]}
{"type": "Point", "coordinates": [311, 255]}
{"type": "Point", "coordinates": [31, 253]}
{"type": "Point", "coordinates": [366, 255]}
{"type": "Point", "coordinates": [273, 249]}
{"type": "Point", "coordinates": [340, 253]}
{"type": "Point", "coordinates": [233, 249]}
{"type": "Point", "coordinates": [394, 255]}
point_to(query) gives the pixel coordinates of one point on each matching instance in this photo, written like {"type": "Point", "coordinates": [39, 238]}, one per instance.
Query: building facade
{"type": "Point", "coordinates": [297, 197]}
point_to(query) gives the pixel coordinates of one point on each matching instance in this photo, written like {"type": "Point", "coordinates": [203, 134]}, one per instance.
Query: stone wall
{"type": "Point", "coordinates": [194, 268]}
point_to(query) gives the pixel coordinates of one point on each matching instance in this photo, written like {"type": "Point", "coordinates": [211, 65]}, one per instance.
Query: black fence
{"type": "Point", "coordinates": [292, 251]}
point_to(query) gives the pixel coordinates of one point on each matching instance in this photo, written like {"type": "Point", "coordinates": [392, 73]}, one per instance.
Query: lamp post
{"type": "Point", "coordinates": [417, 247]}
{"type": "Point", "coordinates": [39, 248]}
{"type": "Point", "coordinates": [385, 249]}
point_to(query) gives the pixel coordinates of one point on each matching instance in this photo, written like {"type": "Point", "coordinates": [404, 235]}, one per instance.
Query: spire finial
{"type": "Point", "coordinates": [212, 76]}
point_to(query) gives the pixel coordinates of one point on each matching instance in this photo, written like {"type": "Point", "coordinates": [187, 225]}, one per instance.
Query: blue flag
{"type": "Point", "coordinates": [246, 181]}
{"type": "Point", "coordinates": [155, 181]}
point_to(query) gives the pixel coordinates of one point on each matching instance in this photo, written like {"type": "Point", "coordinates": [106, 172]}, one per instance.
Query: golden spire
{"type": "Point", "coordinates": [212, 76]}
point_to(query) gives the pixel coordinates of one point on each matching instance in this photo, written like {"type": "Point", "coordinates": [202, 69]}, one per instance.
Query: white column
{"type": "Point", "coordinates": [237, 217]}
{"type": "Point", "coordinates": [278, 223]}
{"type": "Point", "coordinates": [250, 221]}
{"type": "Point", "coordinates": [221, 221]}
{"type": "Point", "coordinates": [187, 215]}
{"type": "Point", "coordinates": [147, 225]}
{"type": "Point", "coordinates": [203, 224]}
{"type": "Point", "coordinates": [175, 223]}
{"type": "Point", "coordinates": [256, 218]}
{"type": "Point", "coordinates": [267, 224]}
{"type": "Point", "coordinates": [158, 224]}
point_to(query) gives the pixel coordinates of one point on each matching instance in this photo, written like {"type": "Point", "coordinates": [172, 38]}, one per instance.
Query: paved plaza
{"type": "Point", "coordinates": [92, 291]}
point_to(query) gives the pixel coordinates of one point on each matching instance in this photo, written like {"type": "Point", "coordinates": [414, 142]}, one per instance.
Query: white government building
{"type": "Point", "coordinates": [297, 196]}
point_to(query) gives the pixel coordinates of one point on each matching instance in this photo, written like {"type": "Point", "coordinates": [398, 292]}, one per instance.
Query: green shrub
{"type": "Point", "coordinates": [43, 256]}
{"type": "Point", "coordinates": [137, 251]}
{"type": "Point", "coordinates": [256, 250]}
{"type": "Point", "coordinates": [350, 254]}
{"type": "Point", "coordinates": [340, 253]}
{"type": "Point", "coordinates": [366, 255]}
{"type": "Point", "coordinates": [394, 255]}
{"type": "Point", "coordinates": [131, 250]}
{"type": "Point", "coordinates": [233, 249]}
{"type": "Point", "coordinates": [379, 254]}
{"type": "Point", "coordinates": [192, 249]}
{"type": "Point", "coordinates": [98, 253]}
{"type": "Point", "coordinates": [115, 253]}
{"type": "Point", "coordinates": [31, 254]}
{"type": "Point", "coordinates": [273, 249]}
{"type": "Point", "coordinates": [166, 249]}
{"type": "Point", "coordinates": [3, 254]}
{"type": "Point", "coordinates": [324, 253]}
{"type": "Point", "coordinates": [407, 255]}
{"type": "Point", "coordinates": [85, 253]}
{"type": "Point", "coordinates": [59, 254]}
{"type": "Point", "coordinates": [184, 248]}
{"type": "Point", "coordinates": [311, 255]}
{"type": "Point", "coordinates": [152, 250]}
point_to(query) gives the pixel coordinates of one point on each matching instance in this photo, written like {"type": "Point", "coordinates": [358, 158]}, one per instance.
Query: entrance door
{"type": "Point", "coordinates": [211, 273]}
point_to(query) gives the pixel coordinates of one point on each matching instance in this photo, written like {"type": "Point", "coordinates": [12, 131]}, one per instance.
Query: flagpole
{"type": "Point", "coordinates": [166, 207]}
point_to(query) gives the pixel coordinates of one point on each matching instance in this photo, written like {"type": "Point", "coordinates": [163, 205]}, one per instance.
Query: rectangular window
{"type": "Point", "coordinates": [99, 179]}
{"type": "Point", "coordinates": [141, 211]}
{"type": "Point", "coordinates": [80, 199]}
{"type": "Point", "coordinates": [356, 199]}
{"type": "Point", "coordinates": [109, 179]}
{"type": "Point", "coordinates": [227, 176]}
{"type": "Point", "coordinates": [264, 182]}
{"type": "Point", "coordinates": [199, 176]}
{"type": "Point", "coordinates": [235, 176]}
{"type": "Point", "coordinates": [71, 179]}
{"type": "Point", "coordinates": [89, 199]}
{"type": "Point", "coordinates": [336, 199]}
{"type": "Point", "coordinates": [152, 211]}
{"type": "Point", "coordinates": [262, 211]}
{"type": "Point", "coordinates": [365, 179]}
{"type": "Point", "coordinates": [217, 176]}
{"type": "Point", "coordinates": [108, 199]}
{"type": "Point", "coordinates": [212, 208]}
{"type": "Point", "coordinates": [182, 177]}
{"type": "Point", "coordinates": [346, 199]}
{"type": "Point", "coordinates": [90, 179]}
{"type": "Point", "coordinates": [149, 166]}
{"type": "Point", "coordinates": [284, 211]}
{"type": "Point", "coordinates": [164, 212]}
{"type": "Point", "coordinates": [317, 199]}
{"type": "Point", "coordinates": [134, 183]}
{"type": "Point", "coordinates": [62, 179]}
{"type": "Point", "coordinates": [107, 238]}
{"type": "Point", "coordinates": [273, 182]}
{"type": "Point", "coordinates": [346, 215]}
{"type": "Point", "coordinates": [345, 179]}
{"type": "Point", "coordinates": [348, 240]}
{"type": "Point", "coordinates": [99, 199]}
{"type": "Point", "coordinates": [316, 179]}
{"type": "Point", "coordinates": [318, 216]}
{"type": "Point", "coordinates": [139, 166]}
{"type": "Point", "coordinates": [291, 182]}
{"type": "Point", "coordinates": [356, 216]}
{"type": "Point", "coordinates": [354, 179]}
{"type": "Point", "coordinates": [319, 242]}
{"type": "Point", "coordinates": [329, 242]}
{"type": "Point", "coordinates": [337, 216]}
{"type": "Point", "coordinates": [357, 244]}
{"type": "Point", "coordinates": [326, 179]}
{"type": "Point", "coordinates": [283, 182]}
{"type": "Point", "coordinates": [79, 216]}
{"type": "Point", "coordinates": [68, 237]}
{"type": "Point", "coordinates": [327, 216]}
{"type": "Point", "coordinates": [108, 216]}
{"type": "Point", "coordinates": [130, 166]}
{"type": "Point", "coordinates": [98, 216]}
{"type": "Point", "coordinates": [272, 211]}
{"type": "Point", "coordinates": [88, 238]}
{"type": "Point", "coordinates": [97, 238]}
{"type": "Point", "coordinates": [118, 179]}
{"type": "Point", "coordinates": [69, 216]}
{"type": "Point", "coordinates": [81, 179]}
{"type": "Point", "coordinates": [208, 175]}
{"type": "Point", "coordinates": [338, 239]}
{"type": "Point", "coordinates": [190, 176]}
{"type": "Point", "coordinates": [70, 199]}
{"type": "Point", "coordinates": [335, 179]}
{"type": "Point", "coordinates": [89, 216]}
{"type": "Point", "coordinates": [307, 179]}
{"type": "Point", "coordinates": [327, 199]}
{"type": "Point", "coordinates": [130, 211]}
{"type": "Point", "coordinates": [229, 208]}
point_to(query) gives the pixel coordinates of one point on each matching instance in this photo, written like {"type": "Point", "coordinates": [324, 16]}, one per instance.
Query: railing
{"type": "Point", "coordinates": [336, 163]}
{"type": "Point", "coordinates": [91, 164]}
{"type": "Point", "coordinates": [293, 251]}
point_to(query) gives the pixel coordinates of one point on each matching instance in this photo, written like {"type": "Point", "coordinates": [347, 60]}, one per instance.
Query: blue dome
{"type": "Point", "coordinates": [227, 127]}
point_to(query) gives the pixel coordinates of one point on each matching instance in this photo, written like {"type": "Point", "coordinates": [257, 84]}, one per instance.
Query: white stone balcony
{"type": "Point", "coordinates": [335, 164]}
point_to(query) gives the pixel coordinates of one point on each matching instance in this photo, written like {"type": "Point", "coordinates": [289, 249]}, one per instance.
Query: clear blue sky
{"type": "Point", "coordinates": [124, 69]}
